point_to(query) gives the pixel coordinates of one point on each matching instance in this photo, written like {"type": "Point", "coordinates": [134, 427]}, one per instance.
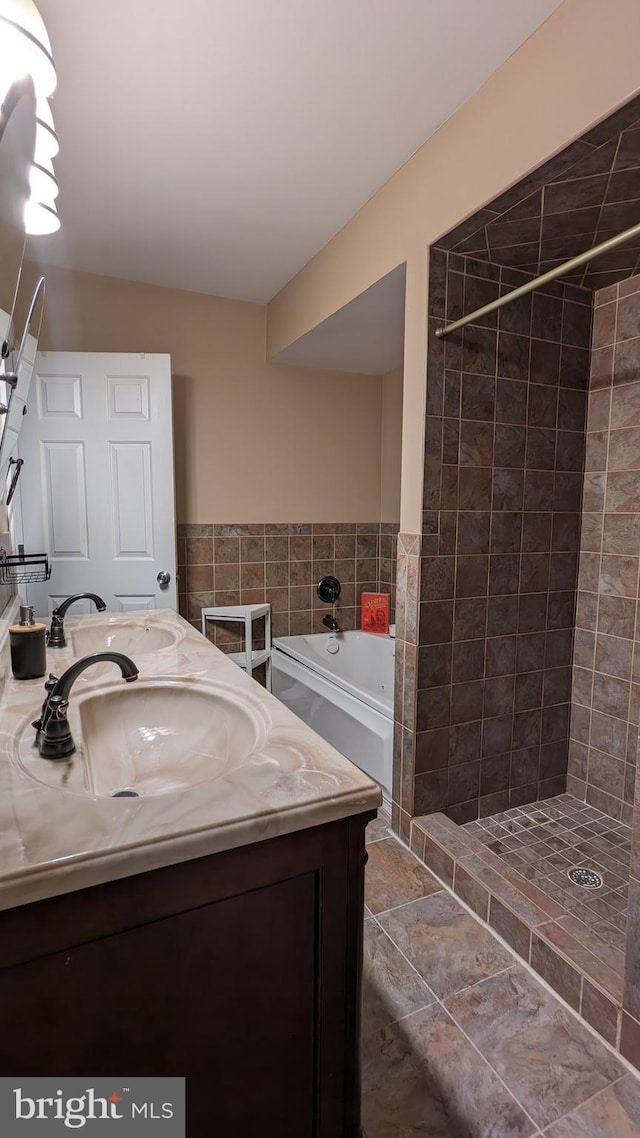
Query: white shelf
{"type": "Point", "coordinates": [245, 614]}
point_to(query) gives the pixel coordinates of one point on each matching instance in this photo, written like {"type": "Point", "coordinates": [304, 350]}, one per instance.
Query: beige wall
{"type": "Point", "coordinates": [580, 65]}
{"type": "Point", "coordinates": [391, 446]}
{"type": "Point", "coordinates": [254, 442]}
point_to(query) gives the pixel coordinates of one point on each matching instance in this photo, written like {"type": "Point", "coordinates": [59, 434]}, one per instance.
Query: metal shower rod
{"type": "Point", "coordinates": [537, 282]}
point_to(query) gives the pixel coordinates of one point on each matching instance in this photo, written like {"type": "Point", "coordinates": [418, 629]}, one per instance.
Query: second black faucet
{"type": "Point", "coordinates": [56, 637]}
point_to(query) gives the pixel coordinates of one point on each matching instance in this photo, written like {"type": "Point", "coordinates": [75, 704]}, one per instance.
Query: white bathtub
{"type": "Point", "coordinates": [344, 695]}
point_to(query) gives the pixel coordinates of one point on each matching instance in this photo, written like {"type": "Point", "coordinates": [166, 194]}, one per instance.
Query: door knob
{"type": "Point", "coordinates": [163, 579]}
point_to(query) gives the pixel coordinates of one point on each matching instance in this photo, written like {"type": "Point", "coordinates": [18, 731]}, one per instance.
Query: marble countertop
{"type": "Point", "coordinates": [55, 837]}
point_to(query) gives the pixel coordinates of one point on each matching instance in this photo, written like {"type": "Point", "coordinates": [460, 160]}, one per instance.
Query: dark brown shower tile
{"type": "Point", "coordinates": [506, 530]}
{"type": "Point", "coordinates": [544, 362]}
{"type": "Point", "coordinates": [528, 694]}
{"type": "Point", "coordinates": [558, 648]}
{"type": "Point", "coordinates": [476, 443]}
{"type": "Point", "coordinates": [511, 401]}
{"type": "Point", "coordinates": [509, 446]}
{"type": "Point", "coordinates": [530, 652]}
{"type": "Point", "coordinates": [496, 740]}
{"type": "Point", "coordinates": [466, 702]}
{"type": "Point", "coordinates": [541, 448]}
{"type": "Point", "coordinates": [470, 618]}
{"type": "Point", "coordinates": [502, 615]}
{"type": "Point", "coordinates": [504, 574]}
{"type": "Point", "coordinates": [431, 791]}
{"type": "Point", "coordinates": [572, 409]}
{"type": "Point", "coordinates": [227, 550]}
{"type": "Point", "coordinates": [432, 750]}
{"type": "Point", "coordinates": [500, 655]}
{"type": "Point", "coordinates": [468, 660]}
{"type": "Point", "coordinates": [478, 398]}
{"type": "Point", "coordinates": [542, 408]}
{"type": "Point", "coordinates": [578, 193]}
{"type": "Point", "coordinates": [433, 708]}
{"type": "Point", "coordinates": [539, 491]}
{"type": "Point", "coordinates": [534, 571]}
{"type": "Point", "coordinates": [532, 612]}
{"type": "Point", "coordinates": [560, 610]}
{"type": "Point", "coordinates": [574, 367]}
{"type": "Point", "coordinates": [498, 695]}
{"type": "Point", "coordinates": [546, 320]}
{"type": "Point", "coordinates": [611, 695]}
{"type": "Point", "coordinates": [565, 532]}
{"type": "Point", "coordinates": [345, 546]}
{"type": "Point", "coordinates": [464, 782]}
{"type": "Point", "coordinates": [527, 726]}
{"type": "Point", "coordinates": [479, 350]}
{"type": "Point", "coordinates": [508, 489]}
{"type": "Point", "coordinates": [474, 487]}
{"type": "Point", "coordinates": [436, 578]}
{"type": "Point", "coordinates": [473, 532]}
{"type": "Point", "coordinates": [434, 665]}
{"type": "Point", "coordinates": [555, 726]}
{"type": "Point", "coordinates": [436, 622]}
{"type": "Point", "coordinates": [464, 742]}
{"type": "Point", "coordinates": [626, 365]}
{"type": "Point", "coordinates": [567, 491]}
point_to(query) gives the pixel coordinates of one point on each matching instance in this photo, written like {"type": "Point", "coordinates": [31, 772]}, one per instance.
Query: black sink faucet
{"type": "Point", "coordinates": [56, 637]}
{"type": "Point", "coordinates": [331, 623]}
{"type": "Point", "coordinates": [53, 737]}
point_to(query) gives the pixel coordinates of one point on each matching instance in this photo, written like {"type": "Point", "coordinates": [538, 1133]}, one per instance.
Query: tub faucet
{"type": "Point", "coordinates": [56, 637]}
{"type": "Point", "coordinates": [331, 623]}
{"type": "Point", "coordinates": [53, 736]}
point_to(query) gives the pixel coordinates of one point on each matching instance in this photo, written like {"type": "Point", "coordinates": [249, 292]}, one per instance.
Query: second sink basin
{"type": "Point", "coordinates": [116, 636]}
{"type": "Point", "coordinates": [157, 736]}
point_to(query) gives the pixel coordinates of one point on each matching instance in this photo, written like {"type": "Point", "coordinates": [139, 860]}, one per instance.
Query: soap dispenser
{"type": "Point", "coordinates": [28, 646]}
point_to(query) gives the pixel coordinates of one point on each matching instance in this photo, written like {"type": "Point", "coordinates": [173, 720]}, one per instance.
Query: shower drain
{"type": "Point", "coordinates": [587, 878]}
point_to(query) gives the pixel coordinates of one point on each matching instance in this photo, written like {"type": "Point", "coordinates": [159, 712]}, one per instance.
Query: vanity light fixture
{"type": "Point", "coordinates": [25, 49]}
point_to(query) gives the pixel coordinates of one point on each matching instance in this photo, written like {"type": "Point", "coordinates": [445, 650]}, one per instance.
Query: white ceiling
{"type": "Point", "coordinates": [217, 145]}
{"type": "Point", "coordinates": [366, 335]}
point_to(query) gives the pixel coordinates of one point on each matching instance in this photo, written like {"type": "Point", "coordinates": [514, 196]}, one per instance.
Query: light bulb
{"type": "Point", "coordinates": [40, 219]}
{"type": "Point", "coordinates": [46, 138]}
{"type": "Point", "coordinates": [42, 181]}
{"type": "Point", "coordinates": [26, 46]}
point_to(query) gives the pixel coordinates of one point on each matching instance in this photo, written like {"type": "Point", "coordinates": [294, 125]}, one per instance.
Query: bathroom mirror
{"type": "Point", "coordinates": [14, 393]}
{"type": "Point", "coordinates": [17, 140]}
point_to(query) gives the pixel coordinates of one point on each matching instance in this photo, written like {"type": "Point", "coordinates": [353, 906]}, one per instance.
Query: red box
{"type": "Point", "coordinates": [374, 613]}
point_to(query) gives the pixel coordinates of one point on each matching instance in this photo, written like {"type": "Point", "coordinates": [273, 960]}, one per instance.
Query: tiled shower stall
{"type": "Point", "coordinates": [518, 665]}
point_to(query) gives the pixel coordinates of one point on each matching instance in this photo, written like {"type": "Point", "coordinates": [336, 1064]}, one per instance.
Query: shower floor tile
{"type": "Point", "coordinates": [544, 840]}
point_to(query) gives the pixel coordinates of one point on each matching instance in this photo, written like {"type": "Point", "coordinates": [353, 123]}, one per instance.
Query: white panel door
{"type": "Point", "coordinates": [97, 488]}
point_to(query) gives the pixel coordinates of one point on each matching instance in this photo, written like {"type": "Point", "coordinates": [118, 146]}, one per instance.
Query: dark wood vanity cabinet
{"type": "Point", "coordinates": [240, 971]}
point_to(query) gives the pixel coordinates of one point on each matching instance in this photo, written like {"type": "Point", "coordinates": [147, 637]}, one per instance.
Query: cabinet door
{"type": "Point", "coordinates": [224, 995]}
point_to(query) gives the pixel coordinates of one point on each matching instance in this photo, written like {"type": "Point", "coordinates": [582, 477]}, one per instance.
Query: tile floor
{"type": "Point", "coordinates": [460, 1040]}
{"type": "Point", "coordinates": [545, 839]}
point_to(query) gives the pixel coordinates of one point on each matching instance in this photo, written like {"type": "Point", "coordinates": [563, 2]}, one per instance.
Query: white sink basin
{"type": "Point", "coordinates": [117, 636]}
{"type": "Point", "coordinates": [158, 736]}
